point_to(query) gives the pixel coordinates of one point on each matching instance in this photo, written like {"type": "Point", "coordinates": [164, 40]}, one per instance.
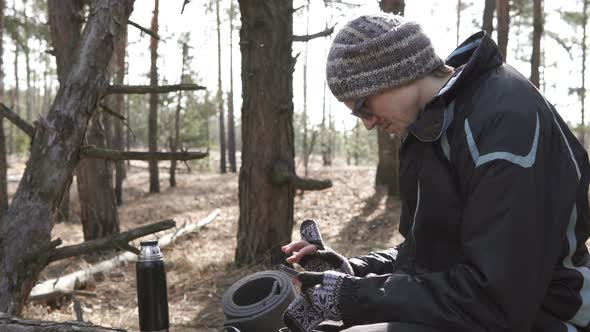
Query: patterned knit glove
{"type": "Point", "coordinates": [324, 259]}
{"type": "Point", "coordinates": [301, 316]}
{"type": "Point", "coordinates": [319, 301]}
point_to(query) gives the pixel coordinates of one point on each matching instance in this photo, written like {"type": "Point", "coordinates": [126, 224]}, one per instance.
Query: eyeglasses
{"type": "Point", "coordinates": [361, 110]}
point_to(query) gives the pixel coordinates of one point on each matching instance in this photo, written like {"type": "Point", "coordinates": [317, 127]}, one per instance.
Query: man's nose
{"type": "Point", "coordinates": [370, 123]}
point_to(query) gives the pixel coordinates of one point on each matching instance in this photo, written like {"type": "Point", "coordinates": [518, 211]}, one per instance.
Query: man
{"type": "Point", "coordinates": [494, 191]}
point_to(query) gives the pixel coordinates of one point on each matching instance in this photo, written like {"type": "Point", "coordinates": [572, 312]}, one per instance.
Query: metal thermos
{"type": "Point", "coordinates": [152, 296]}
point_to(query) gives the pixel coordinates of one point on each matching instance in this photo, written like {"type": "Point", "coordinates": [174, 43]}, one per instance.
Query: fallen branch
{"type": "Point", "coordinates": [184, 4]}
{"type": "Point", "coordinates": [144, 89]}
{"type": "Point", "coordinates": [282, 175]}
{"type": "Point", "coordinates": [115, 241]}
{"type": "Point", "coordinates": [53, 288]}
{"type": "Point", "coordinates": [111, 112]}
{"type": "Point", "coordinates": [92, 152]}
{"type": "Point", "coordinates": [15, 324]}
{"type": "Point", "coordinates": [142, 29]}
{"type": "Point", "coordinates": [23, 125]}
{"type": "Point", "coordinates": [306, 38]}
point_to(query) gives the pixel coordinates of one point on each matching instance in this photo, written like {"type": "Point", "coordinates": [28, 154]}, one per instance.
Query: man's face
{"type": "Point", "coordinates": [392, 110]}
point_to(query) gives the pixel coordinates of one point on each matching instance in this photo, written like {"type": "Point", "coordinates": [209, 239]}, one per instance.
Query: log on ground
{"type": "Point", "coordinates": [15, 324]}
{"type": "Point", "coordinates": [54, 288]}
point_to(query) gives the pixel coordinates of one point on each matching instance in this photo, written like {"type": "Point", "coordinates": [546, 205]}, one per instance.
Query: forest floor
{"type": "Point", "coordinates": [355, 218]}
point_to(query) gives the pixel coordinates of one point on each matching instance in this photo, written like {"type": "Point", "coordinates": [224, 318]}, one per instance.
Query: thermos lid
{"type": "Point", "coordinates": [149, 251]}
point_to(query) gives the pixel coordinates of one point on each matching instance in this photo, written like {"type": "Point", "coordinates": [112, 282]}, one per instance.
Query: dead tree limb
{"type": "Point", "coordinates": [16, 324]}
{"type": "Point", "coordinates": [282, 175]}
{"type": "Point", "coordinates": [111, 112]}
{"type": "Point", "coordinates": [145, 89]}
{"type": "Point", "coordinates": [306, 38]}
{"type": "Point", "coordinates": [106, 154]}
{"type": "Point", "coordinates": [115, 241]}
{"type": "Point", "coordinates": [23, 125]}
{"type": "Point", "coordinates": [142, 29]}
{"type": "Point", "coordinates": [184, 4]}
{"type": "Point", "coordinates": [54, 288]}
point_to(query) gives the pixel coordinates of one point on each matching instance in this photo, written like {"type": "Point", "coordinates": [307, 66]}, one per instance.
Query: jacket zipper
{"type": "Point", "coordinates": [412, 235]}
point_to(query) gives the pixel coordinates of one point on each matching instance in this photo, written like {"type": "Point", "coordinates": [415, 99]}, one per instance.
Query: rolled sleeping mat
{"type": "Point", "coordinates": [256, 303]}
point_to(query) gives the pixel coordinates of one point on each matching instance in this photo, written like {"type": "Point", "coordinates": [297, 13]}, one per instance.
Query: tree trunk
{"type": "Point", "coordinates": [388, 167]}
{"type": "Point", "coordinates": [25, 230]}
{"type": "Point", "coordinates": [231, 126]}
{"type": "Point", "coordinates": [175, 144]}
{"type": "Point", "coordinates": [537, 33]}
{"type": "Point", "coordinates": [488, 16]}
{"type": "Point", "coordinates": [305, 149]}
{"type": "Point", "coordinates": [128, 116]}
{"type": "Point", "coordinates": [16, 93]}
{"type": "Point", "coordinates": [387, 146]}
{"type": "Point", "coordinates": [393, 6]}
{"type": "Point", "coordinates": [65, 25]}
{"type": "Point", "coordinates": [154, 100]}
{"type": "Point", "coordinates": [503, 12]}
{"type": "Point", "coordinates": [98, 208]}
{"type": "Point", "coordinates": [266, 207]}
{"type": "Point", "coordinates": [325, 134]}
{"type": "Point", "coordinates": [222, 163]}
{"type": "Point", "coordinates": [355, 153]}
{"type": "Point", "coordinates": [28, 97]}
{"type": "Point", "coordinates": [118, 144]}
{"type": "Point", "coordinates": [3, 164]}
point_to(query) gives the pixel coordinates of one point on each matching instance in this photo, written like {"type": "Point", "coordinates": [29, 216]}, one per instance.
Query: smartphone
{"type": "Point", "coordinates": [287, 270]}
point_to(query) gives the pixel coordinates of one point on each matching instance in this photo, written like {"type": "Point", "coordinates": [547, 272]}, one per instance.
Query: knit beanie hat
{"type": "Point", "coordinates": [375, 52]}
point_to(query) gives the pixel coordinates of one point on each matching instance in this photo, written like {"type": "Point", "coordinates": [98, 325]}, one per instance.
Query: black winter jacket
{"type": "Point", "coordinates": [494, 191]}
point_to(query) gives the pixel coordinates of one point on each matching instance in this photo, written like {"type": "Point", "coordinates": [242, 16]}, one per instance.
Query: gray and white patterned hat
{"type": "Point", "coordinates": [375, 52]}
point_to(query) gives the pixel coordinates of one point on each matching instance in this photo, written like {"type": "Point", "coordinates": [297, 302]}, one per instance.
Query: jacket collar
{"type": "Point", "coordinates": [475, 56]}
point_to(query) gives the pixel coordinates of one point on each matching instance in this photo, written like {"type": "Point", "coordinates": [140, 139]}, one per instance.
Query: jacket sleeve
{"type": "Point", "coordinates": [510, 247]}
{"type": "Point", "coordinates": [377, 262]}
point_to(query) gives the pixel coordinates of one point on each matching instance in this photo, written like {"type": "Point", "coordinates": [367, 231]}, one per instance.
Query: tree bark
{"type": "Point", "coordinates": [222, 162]}
{"type": "Point", "coordinates": [305, 148]}
{"type": "Point", "coordinates": [231, 126]}
{"type": "Point", "coordinates": [3, 164]}
{"type": "Point", "coordinates": [488, 16]}
{"type": "Point", "coordinates": [503, 13]}
{"type": "Point", "coordinates": [393, 6]}
{"type": "Point", "coordinates": [537, 33]}
{"type": "Point", "coordinates": [175, 141]}
{"type": "Point", "coordinates": [118, 144]}
{"type": "Point", "coordinates": [25, 229]}
{"type": "Point", "coordinates": [387, 146]}
{"type": "Point", "coordinates": [65, 25]}
{"type": "Point", "coordinates": [16, 93]}
{"type": "Point", "coordinates": [27, 35]}
{"type": "Point", "coordinates": [388, 167]}
{"type": "Point", "coordinates": [98, 207]}
{"type": "Point", "coordinates": [266, 208]}
{"type": "Point", "coordinates": [154, 100]}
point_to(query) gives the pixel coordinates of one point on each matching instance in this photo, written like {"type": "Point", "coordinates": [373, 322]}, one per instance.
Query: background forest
{"type": "Point", "coordinates": [108, 128]}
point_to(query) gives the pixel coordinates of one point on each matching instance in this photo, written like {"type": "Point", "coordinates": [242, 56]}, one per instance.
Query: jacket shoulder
{"type": "Point", "coordinates": [503, 121]}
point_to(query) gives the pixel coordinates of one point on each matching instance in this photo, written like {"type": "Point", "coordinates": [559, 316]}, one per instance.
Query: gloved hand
{"type": "Point", "coordinates": [324, 259]}
{"type": "Point", "coordinates": [319, 300]}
